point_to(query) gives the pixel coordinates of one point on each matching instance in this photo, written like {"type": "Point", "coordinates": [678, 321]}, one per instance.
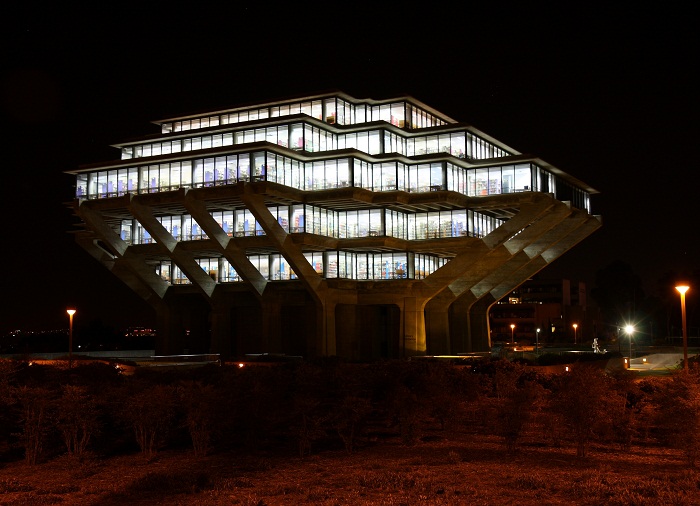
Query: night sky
{"type": "Point", "coordinates": [604, 94]}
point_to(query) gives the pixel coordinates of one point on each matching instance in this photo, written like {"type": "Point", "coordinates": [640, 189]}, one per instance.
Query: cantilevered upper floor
{"type": "Point", "coordinates": [327, 141]}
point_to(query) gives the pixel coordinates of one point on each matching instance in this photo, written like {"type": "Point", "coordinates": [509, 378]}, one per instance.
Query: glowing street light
{"type": "Point", "coordinates": [512, 333]}
{"type": "Point", "coordinates": [630, 330]}
{"type": "Point", "coordinates": [682, 289]}
{"type": "Point", "coordinates": [575, 327]}
{"type": "Point", "coordinates": [537, 341]}
{"type": "Point", "coordinates": [70, 312]}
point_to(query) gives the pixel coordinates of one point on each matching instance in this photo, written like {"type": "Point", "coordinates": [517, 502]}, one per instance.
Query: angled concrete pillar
{"type": "Point", "coordinates": [184, 259]}
{"type": "Point", "coordinates": [226, 245]}
{"type": "Point", "coordinates": [105, 245]}
{"type": "Point", "coordinates": [479, 328]}
{"type": "Point", "coordinates": [413, 331]}
{"type": "Point", "coordinates": [314, 283]}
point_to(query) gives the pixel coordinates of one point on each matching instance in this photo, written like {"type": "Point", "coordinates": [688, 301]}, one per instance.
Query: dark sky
{"type": "Point", "coordinates": [604, 93]}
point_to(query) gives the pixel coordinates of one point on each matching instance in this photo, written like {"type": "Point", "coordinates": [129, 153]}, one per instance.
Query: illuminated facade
{"type": "Point", "coordinates": [326, 225]}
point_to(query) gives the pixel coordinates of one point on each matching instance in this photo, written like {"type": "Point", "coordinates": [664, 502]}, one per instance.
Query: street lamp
{"type": "Point", "coordinates": [70, 312]}
{"type": "Point", "coordinates": [512, 333]}
{"type": "Point", "coordinates": [575, 327]}
{"type": "Point", "coordinates": [537, 341]}
{"type": "Point", "coordinates": [629, 329]}
{"type": "Point", "coordinates": [682, 289]}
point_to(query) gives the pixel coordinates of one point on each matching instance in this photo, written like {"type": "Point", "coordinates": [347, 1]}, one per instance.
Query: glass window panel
{"type": "Point", "coordinates": [244, 167]}
{"type": "Point", "coordinates": [153, 178]}
{"type": "Point", "coordinates": [164, 176]}
{"type": "Point", "coordinates": [508, 179]}
{"type": "Point", "coordinates": [481, 181]}
{"type": "Point", "coordinates": [330, 110]}
{"type": "Point", "coordinates": [397, 114]}
{"type": "Point", "coordinates": [298, 218]}
{"type": "Point", "coordinates": [81, 185]}
{"type": "Point", "coordinates": [363, 141]}
{"type": "Point", "coordinates": [494, 181]}
{"type": "Point", "coordinates": [374, 146]}
{"type": "Point", "coordinates": [458, 145]}
{"type": "Point", "coordinates": [421, 146]}
{"type": "Point", "coordinates": [297, 136]}
{"type": "Point", "coordinates": [231, 169]}
{"type": "Point", "coordinates": [431, 144]}
{"type": "Point", "coordinates": [208, 171]}
{"type": "Point", "coordinates": [343, 168]}
{"type": "Point", "coordinates": [375, 222]}
{"type": "Point", "coordinates": [111, 189]}
{"type": "Point", "coordinates": [271, 168]}
{"type": "Point", "coordinates": [220, 168]}
{"type": "Point", "coordinates": [259, 165]}
{"type": "Point", "coordinates": [523, 177]}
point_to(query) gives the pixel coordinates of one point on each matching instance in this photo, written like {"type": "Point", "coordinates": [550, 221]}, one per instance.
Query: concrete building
{"type": "Point", "coordinates": [326, 225]}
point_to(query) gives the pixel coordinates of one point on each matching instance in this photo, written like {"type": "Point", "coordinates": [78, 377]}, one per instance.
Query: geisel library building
{"type": "Point", "coordinates": [326, 225]}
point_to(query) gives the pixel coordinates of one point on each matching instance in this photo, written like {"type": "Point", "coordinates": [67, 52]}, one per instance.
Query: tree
{"type": "Point", "coordinates": [76, 418]}
{"type": "Point", "coordinates": [518, 398]}
{"type": "Point", "coordinates": [678, 412]}
{"type": "Point", "coordinates": [199, 402]}
{"type": "Point", "coordinates": [150, 413]}
{"type": "Point", "coordinates": [585, 401]}
{"type": "Point", "coordinates": [34, 403]}
{"type": "Point", "coordinates": [440, 391]}
{"type": "Point", "coordinates": [627, 416]}
{"type": "Point", "coordinates": [348, 418]}
{"type": "Point", "coordinates": [348, 401]}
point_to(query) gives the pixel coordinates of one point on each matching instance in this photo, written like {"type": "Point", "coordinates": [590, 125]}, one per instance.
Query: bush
{"type": "Point", "coordinates": [35, 415]}
{"type": "Point", "coordinates": [200, 403]}
{"type": "Point", "coordinates": [150, 413]}
{"type": "Point", "coordinates": [76, 418]}
{"type": "Point", "coordinates": [678, 413]}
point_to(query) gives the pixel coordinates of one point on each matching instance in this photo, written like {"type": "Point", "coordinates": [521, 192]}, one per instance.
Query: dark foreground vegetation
{"type": "Point", "coordinates": [331, 433]}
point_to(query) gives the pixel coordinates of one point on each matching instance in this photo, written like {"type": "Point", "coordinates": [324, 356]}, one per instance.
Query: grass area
{"type": "Point", "coordinates": [440, 469]}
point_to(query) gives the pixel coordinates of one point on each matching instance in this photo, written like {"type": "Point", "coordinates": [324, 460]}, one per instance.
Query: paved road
{"type": "Point", "coordinates": [657, 363]}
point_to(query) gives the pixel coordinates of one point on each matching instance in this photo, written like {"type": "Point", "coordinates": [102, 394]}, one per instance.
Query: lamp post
{"type": "Point", "coordinates": [70, 312]}
{"type": "Point", "coordinates": [629, 329]}
{"type": "Point", "coordinates": [682, 289]}
{"type": "Point", "coordinates": [512, 333]}
{"type": "Point", "coordinates": [537, 341]}
{"type": "Point", "coordinates": [575, 327]}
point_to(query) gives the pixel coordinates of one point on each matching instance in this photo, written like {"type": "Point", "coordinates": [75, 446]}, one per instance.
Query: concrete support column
{"type": "Point", "coordinates": [437, 329]}
{"type": "Point", "coordinates": [346, 340]}
{"type": "Point", "coordinates": [170, 331]}
{"type": "Point", "coordinates": [328, 326]}
{"type": "Point", "coordinates": [460, 342]}
{"type": "Point", "coordinates": [272, 340]}
{"type": "Point", "coordinates": [412, 330]}
{"type": "Point", "coordinates": [479, 328]}
{"type": "Point", "coordinates": [220, 326]}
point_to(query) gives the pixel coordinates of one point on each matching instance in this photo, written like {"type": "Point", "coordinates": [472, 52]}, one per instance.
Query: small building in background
{"type": "Point", "coordinates": [553, 306]}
